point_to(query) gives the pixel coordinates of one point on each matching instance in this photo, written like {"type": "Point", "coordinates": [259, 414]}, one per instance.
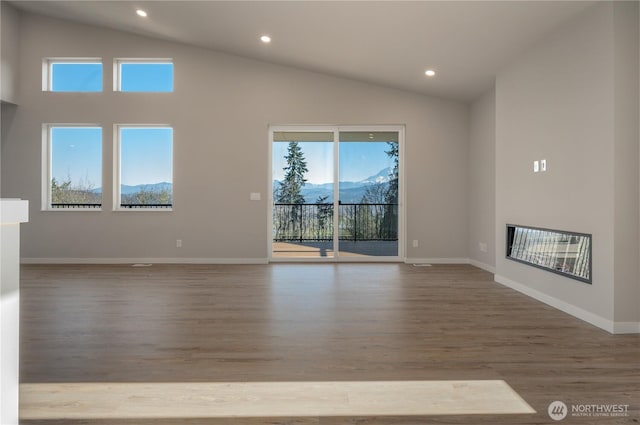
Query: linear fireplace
{"type": "Point", "coordinates": [558, 251]}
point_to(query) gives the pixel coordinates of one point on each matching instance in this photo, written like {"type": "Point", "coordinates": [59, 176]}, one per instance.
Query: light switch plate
{"type": "Point", "coordinates": [543, 165]}
{"type": "Point", "coordinates": [254, 196]}
{"type": "Point", "coordinates": [536, 166]}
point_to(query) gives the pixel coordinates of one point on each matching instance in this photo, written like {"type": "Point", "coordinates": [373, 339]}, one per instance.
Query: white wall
{"type": "Point", "coordinates": [626, 191]}
{"type": "Point", "coordinates": [482, 207]}
{"type": "Point", "coordinates": [220, 112]}
{"type": "Point", "coordinates": [9, 27]}
{"type": "Point", "coordinates": [560, 101]}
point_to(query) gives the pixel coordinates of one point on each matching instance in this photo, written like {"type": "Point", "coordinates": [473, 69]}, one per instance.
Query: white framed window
{"type": "Point", "coordinates": [72, 74]}
{"type": "Point", "coordinates": [143, 168]}
{"type": "Point", "coordinates": [72, 167]}
{"type": "Point", "coordinates": [143, 75]}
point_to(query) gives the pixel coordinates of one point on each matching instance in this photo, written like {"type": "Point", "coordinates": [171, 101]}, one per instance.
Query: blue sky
{"type": "Point", "coordinates": [146, 77]}
{"type": "Point", "coordinates": [76, 153]}
{"type": "Point", "coordinates": [73, 77]}
{"type": "Point", "coordinates": [146, 155]}
{"type": "Point", "coordinates": [134, 77]}
{"type": "Point", "coordinates": [358, 160]}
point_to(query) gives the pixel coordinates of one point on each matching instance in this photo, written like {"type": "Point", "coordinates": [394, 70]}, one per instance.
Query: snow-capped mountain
{"type": "Point", "coordinates": [350, 192]}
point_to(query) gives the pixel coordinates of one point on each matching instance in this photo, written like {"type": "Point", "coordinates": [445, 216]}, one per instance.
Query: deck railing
{"type": "Point", "coordinates": [138, 206]}
{"type": "Point", "coordinates": [314, 222]}
{"type": "Point", "coordinates": [59, 205]}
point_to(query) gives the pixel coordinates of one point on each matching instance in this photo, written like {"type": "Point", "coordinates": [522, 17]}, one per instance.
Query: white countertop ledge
{"type": "Point", "coordinates": [13, 210]}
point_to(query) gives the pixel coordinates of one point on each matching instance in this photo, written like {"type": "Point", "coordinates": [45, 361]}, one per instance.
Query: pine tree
{"type": "Point", "coordinates": [290, 190]}
{"type": "Point", "coordinates": [392, 192]}
{"type": "Point", "coordinates": [324, 215]}
{"type": "Point", "coordinates": [390, 220]}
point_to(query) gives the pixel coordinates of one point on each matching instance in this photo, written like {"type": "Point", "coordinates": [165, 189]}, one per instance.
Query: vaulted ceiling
{"type": "Point", "coordinates": [390, 43]}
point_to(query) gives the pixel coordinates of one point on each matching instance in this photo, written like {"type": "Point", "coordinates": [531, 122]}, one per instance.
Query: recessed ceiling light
{"type": "Point", "coordinates": [265, 39]}
{"type": "Point", "coordinates": [430, 73]}
{"type": "Point", "coordinates": [141, 13]}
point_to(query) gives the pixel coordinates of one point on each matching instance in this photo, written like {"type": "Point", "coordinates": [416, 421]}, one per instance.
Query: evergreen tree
{"type": "Point", "coordinates": [290, 190]}
{"type": "Point", "coordinates": [392, 193]}
{"type": "Point", "coordinates": [324, 217]}
{"type": "Point", "coordinates": [389, 228]}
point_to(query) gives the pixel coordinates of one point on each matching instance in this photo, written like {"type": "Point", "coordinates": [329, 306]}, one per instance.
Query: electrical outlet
{"type": "Point", "coordinates": [178, 243]}
{"type": "Point", "coordinates": [415, 243]}
{"type": "Point", "coordinates": [482, 246]}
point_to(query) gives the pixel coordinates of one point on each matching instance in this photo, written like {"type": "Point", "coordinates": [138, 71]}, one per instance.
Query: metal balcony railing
{"type": "Point", "coordinates": [58, 205]}
{"type": "Point", "coordinates": [314, 222]}
{"type": "Point", "coordinates": [138, 206]}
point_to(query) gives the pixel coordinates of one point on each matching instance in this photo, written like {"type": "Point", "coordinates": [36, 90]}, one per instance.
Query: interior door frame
{"type": "Point", "coordinates": [336, 129]}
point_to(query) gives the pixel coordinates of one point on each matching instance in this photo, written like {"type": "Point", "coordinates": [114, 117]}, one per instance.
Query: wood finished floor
{"type": "Point", "coordinates": [316, 322]}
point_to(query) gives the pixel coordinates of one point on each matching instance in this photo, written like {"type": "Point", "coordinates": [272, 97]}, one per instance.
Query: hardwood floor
{"type": "Point", "coordinates": [317, 322]}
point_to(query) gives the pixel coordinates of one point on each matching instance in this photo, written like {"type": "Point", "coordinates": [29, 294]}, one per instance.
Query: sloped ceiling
{"type": "Point", "coordinates": [390, 43]}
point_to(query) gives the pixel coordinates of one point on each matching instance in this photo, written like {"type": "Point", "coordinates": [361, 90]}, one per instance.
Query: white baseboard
{"type": "Point", "coordinates": [436, 260]}
{"type": "Point", "coordinates": [598, 321]}
{"type": "Point", "coordinates": [483, 266]}
{"type": "Point", "coordinates": [626, 327]}
{"type": "Point", "coordinates": [144, 260]}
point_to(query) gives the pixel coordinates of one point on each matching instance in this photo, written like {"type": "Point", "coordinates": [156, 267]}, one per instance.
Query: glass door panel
{"type": "Point", "coordinates": [303, 187]}
{"type": "Point", "coordinates": [368, 194]}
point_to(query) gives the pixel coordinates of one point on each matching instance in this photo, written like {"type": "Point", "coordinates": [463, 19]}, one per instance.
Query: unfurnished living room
{"type": "Point", "coordinates": [320, 212]}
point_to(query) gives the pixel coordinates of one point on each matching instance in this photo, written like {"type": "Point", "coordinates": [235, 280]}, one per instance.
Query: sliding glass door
{"type": "Point", "coordinates": [336, 193]}
{"type": "Point", "coordinates": [303, 185]}
{"type": "Point", "coordinates": [368, 187]}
